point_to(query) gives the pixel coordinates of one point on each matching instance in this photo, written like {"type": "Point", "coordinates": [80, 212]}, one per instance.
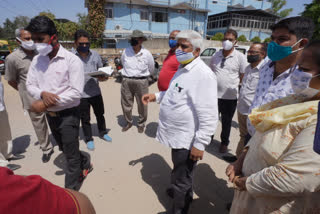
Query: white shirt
{"type": "Point", "coordinates": [228, 72]}
{"type": "Point", "coordinates": [137, 65]}
{"type": "Point", "coordinates": [63, 75]}
{"type": "Point", "coordinates": [189, 110]}
{"type": "Point", "coordinates": [248, 88]}
{"type": "Point", "coordinates": [2, 107]}
{"type": "Point", "coordinates": [269, 90]}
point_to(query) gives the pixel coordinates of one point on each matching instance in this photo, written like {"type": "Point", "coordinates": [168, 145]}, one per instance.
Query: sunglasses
{"type": "Point", "coordinates": [84, 43]}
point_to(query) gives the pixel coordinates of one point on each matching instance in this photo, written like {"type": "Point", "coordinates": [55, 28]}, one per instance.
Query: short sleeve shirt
{"type": "Point", "coordinates": [2, 108]}
{"type": "Point", "coordinates": [91, 64]}
{"type": "Point", "coordinates": [17, 67]}
{"type": "Point", "coordinates": [228, 70]}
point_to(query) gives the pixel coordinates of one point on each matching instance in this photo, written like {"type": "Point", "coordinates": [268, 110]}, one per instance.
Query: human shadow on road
{"type": "Point", "coordinates": [235, 124]}
{"type": "Point", "coordinates": [20, 144]}
{"type": "Point", "coordinates": [122, 122]}
{"type": "Point", "coordinates": [213, 149]}
{"type": "Point", "coordinates": [156, 172]}
{"type": "Point", "coordinates": [61, 163]}
{"type": "Point", "coordinates": [213, 192]}
{"type": "Point", "coordinates": [151, 129]}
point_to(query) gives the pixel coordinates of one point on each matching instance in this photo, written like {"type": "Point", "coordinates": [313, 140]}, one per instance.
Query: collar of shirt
{"type": "Point", "coordinates": [136, 54]}
{"type": "Point", "coordinates": [23, 54]}
{"type": "Point", "coordinates": [78, 54]}
{"type": "Point", "coordinates": [61, 53]}
{"type": "Point", "coordinates": [233, 53]}
{"type": "Point", "coordinates": [189, 66]}
{"type": "Point", "coordinates": [257, 68]}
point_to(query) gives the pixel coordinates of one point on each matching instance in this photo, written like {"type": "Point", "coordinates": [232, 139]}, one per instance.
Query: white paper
{"type": "Point", "coordinates": [105, 71]}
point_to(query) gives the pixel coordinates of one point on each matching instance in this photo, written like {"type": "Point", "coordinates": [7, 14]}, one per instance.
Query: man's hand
{"type": "Point", "coordinates": [38, 106]}
{"type": "Point", "coordinates": [102, 78]}
{"type": "Point", "coordinates": [240, 183]}
{"type": "Point", "coordinates": [233, 170]}
{"type": "Point", "coordinates": [148, 98]}
{"type": "Point", "coordinates": [196, 154]}
{"type": "Point", "coordinates": [49, 99]}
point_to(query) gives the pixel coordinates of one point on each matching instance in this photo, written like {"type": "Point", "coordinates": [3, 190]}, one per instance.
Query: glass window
{"type": "Point", "coordinates": [109, 13]}
{"type": "Point", "coordinates": [144, 15]}
{"type": "Point", "coordinates": [208, 52]}
{"type": "Point", "coordinates": [159, 17]}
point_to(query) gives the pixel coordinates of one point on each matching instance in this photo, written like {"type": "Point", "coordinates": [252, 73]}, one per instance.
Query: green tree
{"type": "Point", "coordinates": [83, 21]}
{"type": "Point", "coordinates": [267, 40]}
{"type": "Point", "coordinates": [242, 38]}
{"type": "Point", "coordinates": [21, 21]}
{"type": "Point", "coordinates": [9, 28]}
{"type": "Point", "coordinates": [218, 37]}
{"type": "Point", "coordinates": [48, 14]}
{"type": "Point", "coordinates": [255, 39]}
{"type": "Point", "coordinates": [312, 11]}
{"type": "Point", "coordinates": [97, 21]}
{"type": "Point", "coordinates": [277, 5]}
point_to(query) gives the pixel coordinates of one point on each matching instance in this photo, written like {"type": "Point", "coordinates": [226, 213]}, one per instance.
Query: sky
{"type": "Point", "coordinates": [69, 8]}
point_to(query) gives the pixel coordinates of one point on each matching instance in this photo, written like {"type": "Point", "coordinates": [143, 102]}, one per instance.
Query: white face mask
{"type": "Point", "coordinates": [28, 45]}
{"type": "Point", "coordinates": [227, 45]}
{"type": "Point", "coordinates": [43, 48]}
{"type": "Point", "coordinates": [184, 57]}
{"type": "Point", "coordinates": [300, 84]}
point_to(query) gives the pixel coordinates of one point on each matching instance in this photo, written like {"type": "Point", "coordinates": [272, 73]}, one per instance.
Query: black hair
{"type": "Point", "coordinates": [42, 24]}
{"type": "Point", "coordinates": [263, 46]}
{"type": "Point", "coordinates": [81, 33]}
{"type": "Point", "coordinates": [315, 46]}
{"type": "Point", "coordinates": [233, 32]}
{"type": "Point", "coordinates": [300, 26]}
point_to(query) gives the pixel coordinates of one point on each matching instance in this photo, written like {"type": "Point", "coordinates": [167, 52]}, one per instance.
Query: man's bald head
{"type": "Point", "coordinates": [173, 34]}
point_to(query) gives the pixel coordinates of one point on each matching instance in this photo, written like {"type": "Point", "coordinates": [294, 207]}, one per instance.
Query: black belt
{"type": "Point", "coordinates": [136, 78]}
{"type": "Point", "coordinates": [62, 113]}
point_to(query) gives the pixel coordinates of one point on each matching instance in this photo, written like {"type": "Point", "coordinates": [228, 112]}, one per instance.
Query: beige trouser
{"type": "Point", "coordinates": [5, 138]}
{"type": "Point", "coordinates": [40, 126]}
{"type": "Point", "coordinates": [130, 89]}
{"type": "Point", "coordinates": [242, 120]}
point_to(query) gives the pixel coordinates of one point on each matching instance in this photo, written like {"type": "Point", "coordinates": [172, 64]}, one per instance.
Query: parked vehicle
{"type": "Point", "coordinates": [155, 75]}
{"type": "Point", "coordinates": [4, 52]}
{"type": "Point", "coordinates": [118, 71]}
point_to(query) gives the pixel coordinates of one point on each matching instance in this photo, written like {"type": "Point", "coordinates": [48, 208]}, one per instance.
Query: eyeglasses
{"type": "Point", "coordinates": [222, 62]}
{"type": "Point", "coordinates": [84, 43]}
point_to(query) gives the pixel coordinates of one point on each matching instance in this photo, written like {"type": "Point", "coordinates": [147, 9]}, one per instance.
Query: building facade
{"type": "Point", "coordinates": [250, 18]}
{"type": "Point", "coordinates": [156, 18]}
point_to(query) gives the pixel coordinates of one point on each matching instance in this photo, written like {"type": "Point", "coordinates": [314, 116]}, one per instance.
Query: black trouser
{"type": "Point", "coordinates": [226, 109]}
{"type": "Point", "coordinates": [65, 130]}
{"type": "Point", "coordinates": [98, 108]}
{"type": "Point", "coordinates": [182, 180]}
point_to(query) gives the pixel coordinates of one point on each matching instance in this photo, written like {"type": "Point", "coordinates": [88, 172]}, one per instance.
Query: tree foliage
{"type": "Point", "coordinates": [242, 38]}
{"type": "Point", "coordinates": [255, 39]}
{"type": "Point", "coordinates": [267, 40]}
{"type": "Point", "coordinates": [9, 27]}
{"type": "Point", "coordinates": [97, 21]}
{"type": "Point", "coordinates": [277, 5]}
{"type": "Point", "coordinates": [218, 37]}
{"type": "Point", "coordinates": [312, 11]}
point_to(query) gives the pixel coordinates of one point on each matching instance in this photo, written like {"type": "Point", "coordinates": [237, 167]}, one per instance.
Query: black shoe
{"type": "Point", "coordinates": [228, 206]}
{"type": "Point", "coordinates": [127, 127]}
{"type": "Point", "coordinates": [140, 129]}
{"type": "Point", "coordinates": [46, 157]}
{"type": "Point", "coordinates": [16, 157]}
{"type": "Point", "coordinates": [13, 167]}
{"type": "Point", "coordinates": [229, 159]}
{"type": "Point", "coordinates": [169, 192]}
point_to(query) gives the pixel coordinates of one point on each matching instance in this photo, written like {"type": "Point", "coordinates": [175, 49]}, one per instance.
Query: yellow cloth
{"type": "Point", "coordinates": [283, 170]}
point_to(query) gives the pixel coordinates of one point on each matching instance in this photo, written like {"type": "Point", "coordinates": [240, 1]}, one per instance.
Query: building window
{"type": "Point", "coordinates": [144, 15]}
{"type": "Point", "coordinates": [110, 43]}
{"type": "Point", "coordinates": [109, 13]}
{"type": "Point", "coordinates": [159, 17]}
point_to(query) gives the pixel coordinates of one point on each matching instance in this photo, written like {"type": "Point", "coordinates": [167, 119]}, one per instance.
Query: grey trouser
{"type": "Point", "coordinates": [131, 88]}
{"type": "Point", "coordinates": [182, 180]}
{"type": "Point", "coordinates": [5, 138]}
{"type": "Point", "coordinates": [40, 126]}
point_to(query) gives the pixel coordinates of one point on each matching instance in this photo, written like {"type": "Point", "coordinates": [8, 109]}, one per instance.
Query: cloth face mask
{"type": "Point", "coordinates": [184, 57]}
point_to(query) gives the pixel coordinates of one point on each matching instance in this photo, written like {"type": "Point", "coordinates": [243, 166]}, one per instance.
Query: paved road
{"type": "Point", "coordinates": [130, 174]}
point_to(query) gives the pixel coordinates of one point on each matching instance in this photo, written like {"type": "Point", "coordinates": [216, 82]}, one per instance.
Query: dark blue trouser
{"type": "Point", "coordinates": [226, 110]}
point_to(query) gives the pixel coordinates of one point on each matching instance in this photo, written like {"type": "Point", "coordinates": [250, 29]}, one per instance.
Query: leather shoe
{"type": "Point", "coordinates": [229, 159]}
{"type": "Point", "coordinates": [16, 157]}
{"type": "Point", "coordinates": [127, 127]}
{"type": "Point", "coordinates": [223, 148]}
{"type": "Point", "coordinates": [46, 157]}
{"type": "Point", "coordinates": [13, 167]}
{"type": "Point", "coordinates": [140, 129]}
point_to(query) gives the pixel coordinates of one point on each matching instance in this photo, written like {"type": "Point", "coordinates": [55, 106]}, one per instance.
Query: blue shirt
{"type": "Point", "coordinates": [91, 64]}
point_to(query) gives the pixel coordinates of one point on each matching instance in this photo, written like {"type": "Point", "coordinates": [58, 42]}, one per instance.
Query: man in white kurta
{"type": "Point", "coordinates": [188, 117]}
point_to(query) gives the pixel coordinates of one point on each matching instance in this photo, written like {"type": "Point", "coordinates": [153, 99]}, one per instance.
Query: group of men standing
{"type": "Point", "coordinates": [53, 85]}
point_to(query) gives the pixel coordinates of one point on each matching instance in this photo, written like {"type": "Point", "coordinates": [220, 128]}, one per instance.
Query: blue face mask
{"type": "Point", "coordinates": [277, 52]}
{"type": "Point", "coordinates": [172, 43]}
{"type": "Point", "coordinates": [83, 49]}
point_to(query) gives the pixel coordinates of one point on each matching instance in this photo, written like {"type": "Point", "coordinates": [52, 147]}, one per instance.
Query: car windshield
{"type": "Point", "coordinates": [208, 52]}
